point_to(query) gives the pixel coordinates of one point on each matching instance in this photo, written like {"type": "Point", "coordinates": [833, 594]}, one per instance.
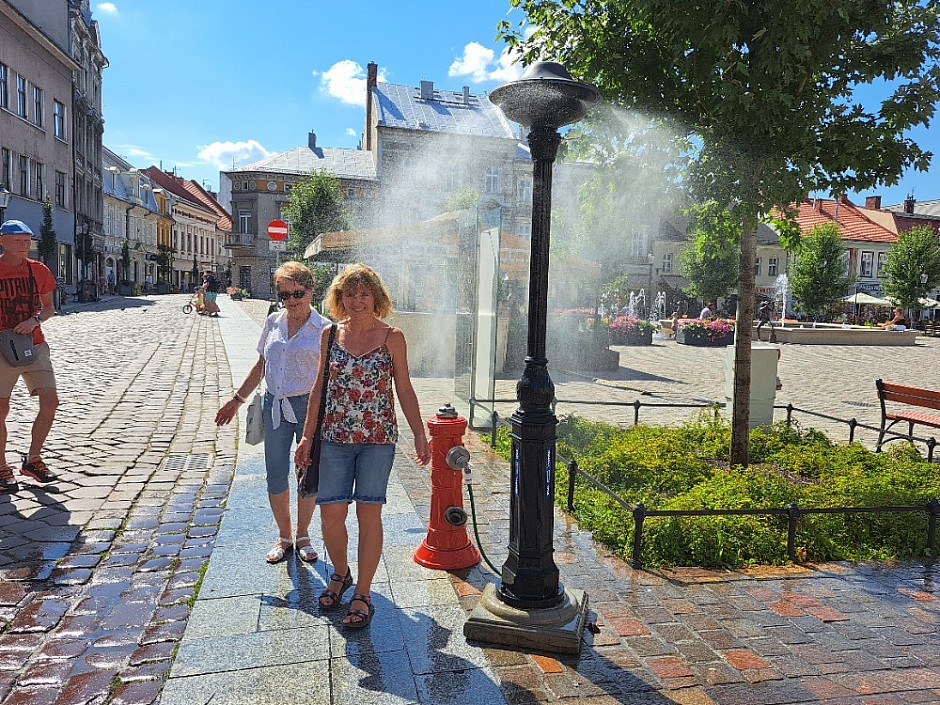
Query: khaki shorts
{"type": "Point", "coordinates": [38, 375]}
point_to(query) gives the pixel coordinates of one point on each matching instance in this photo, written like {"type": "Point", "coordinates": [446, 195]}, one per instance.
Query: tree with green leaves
{"type": "Point", "coordinates": [766, 91]}
{"type": "Point", "coordinates": [316, 206]}
{"type": "Point", "coordinates": [818, 275]}
{"type": "Point", "coordinates": [912, 268]}
{"type": "Point", "coordinates": [462, 199]}
{"type": "Point", "coordinates": [710, 262]}
{"type": "Point", "coordinates": [48, 244]}
{"type": "Point", "coordinates": [165, 259]}
{"type": "Point", "coordinates": [322, 278]}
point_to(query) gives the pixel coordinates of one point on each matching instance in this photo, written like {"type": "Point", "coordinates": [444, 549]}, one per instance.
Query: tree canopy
{"type": "Point", "coordinates": [912, 268]}
{"type": "Point", "coordinates": [768, 93]}
{"type": "Point", "coordinates": [818, 276]}
{"type": "Point", "coordinates": [47, 245]}
{"type": "Point", "coordinates": [710, 262]}
{"type": "Point", "coordinates": [316, 206]}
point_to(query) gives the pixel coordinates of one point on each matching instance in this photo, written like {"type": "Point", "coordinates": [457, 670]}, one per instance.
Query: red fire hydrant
{"type": "Point", "coordinates": [446, 546]}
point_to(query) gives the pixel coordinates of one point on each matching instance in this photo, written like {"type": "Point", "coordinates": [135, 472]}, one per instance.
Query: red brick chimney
{"type": "Point", "coordinates": [873, 202]}
{"type": "Point", "coordinates": [372, 80]}
{"type": "Point", "coordinates": [909, 203]}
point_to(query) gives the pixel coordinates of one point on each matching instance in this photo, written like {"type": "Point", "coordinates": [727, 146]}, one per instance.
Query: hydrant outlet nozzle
{"type": "Point", "coordinates": [458, 458]}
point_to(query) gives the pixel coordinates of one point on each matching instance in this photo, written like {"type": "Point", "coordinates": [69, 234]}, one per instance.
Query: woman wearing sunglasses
{"type": "Point", "coordinates": [289, 357]}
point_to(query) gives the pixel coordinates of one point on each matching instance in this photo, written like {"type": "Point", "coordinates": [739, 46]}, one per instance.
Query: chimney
{"type": "Point", "coordinates": [312, 140]}
{"type": "Point", "coordinates": [873, 202]}
{"type": "Point", "coordinates": [817, 205]}
{"type": "Point", "coordinates": [909, 203]}
{"type": "Point", "coordinates": [427, 90]}
{"type": "Point", "coordinates": [466, 95]}
{"type": "Point", "coordinates": [372, 79]}
{"type": "Point", "coordinates": [844, 200]}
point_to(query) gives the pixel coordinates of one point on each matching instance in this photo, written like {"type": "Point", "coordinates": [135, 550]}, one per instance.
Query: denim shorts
{"type": "Point", "coordinates": [355, 471]}
{"type": "Point", "coordinates": [278, 457]}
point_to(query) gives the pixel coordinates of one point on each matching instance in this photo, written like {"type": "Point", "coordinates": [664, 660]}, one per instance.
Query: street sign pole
{"type": "Point", "coordinates": [277, 232]}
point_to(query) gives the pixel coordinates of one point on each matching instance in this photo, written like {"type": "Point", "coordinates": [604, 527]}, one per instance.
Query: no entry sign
{"type": "Point", "coordinates": [277, 230]}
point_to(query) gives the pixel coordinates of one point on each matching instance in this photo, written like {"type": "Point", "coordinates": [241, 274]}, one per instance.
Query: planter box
{"type": "Point", "coordinates": [631, 338]}
{"type": "Point", "coordinates": [684, 336]}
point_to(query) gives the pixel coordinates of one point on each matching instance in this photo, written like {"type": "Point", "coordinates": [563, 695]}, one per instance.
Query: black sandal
{"type": "Point", "coordinates": [364, 617]}
{"type": "Point", "coordinates": [346, 583]}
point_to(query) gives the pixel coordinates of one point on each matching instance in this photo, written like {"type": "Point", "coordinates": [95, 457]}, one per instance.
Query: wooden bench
{"type": "Point", "coordinates": [931, 330]}
{"type": "Point", "coordinates": [910, 396]}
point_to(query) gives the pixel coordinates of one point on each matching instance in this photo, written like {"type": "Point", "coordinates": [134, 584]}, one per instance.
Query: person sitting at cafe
{"type": "Point", "coordinates": [897, 322]}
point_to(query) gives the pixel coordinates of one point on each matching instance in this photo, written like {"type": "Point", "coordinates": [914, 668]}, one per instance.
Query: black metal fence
{"type": "Point", "coordinates": [792, 512]}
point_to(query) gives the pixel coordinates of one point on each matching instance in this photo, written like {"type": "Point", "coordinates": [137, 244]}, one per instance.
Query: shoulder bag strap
{"type": "Point", "coordinates": [325, 376]}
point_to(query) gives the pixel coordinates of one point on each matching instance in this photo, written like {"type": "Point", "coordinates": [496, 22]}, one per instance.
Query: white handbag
{"type": "Point", "coordinates": [254, 420]}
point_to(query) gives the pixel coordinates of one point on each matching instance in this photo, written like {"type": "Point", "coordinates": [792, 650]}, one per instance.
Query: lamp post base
{"type": "Point", "coordinates": [552, 629]}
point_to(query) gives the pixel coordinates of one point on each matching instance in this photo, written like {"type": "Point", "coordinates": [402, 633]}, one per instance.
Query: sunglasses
{"type": "Point", "coordinates": [285, 295]}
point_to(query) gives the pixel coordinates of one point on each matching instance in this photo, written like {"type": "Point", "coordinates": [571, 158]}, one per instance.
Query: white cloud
{"type": "Point", "coordinates": [108, 7]}
{"type": "Point", "coordinates": [134, 153]}
{"type": "Point", "coordinates": [225, 155]}
{"type": "Point", "coordinates": [345, 80]}
{"type": "Point", "coordinates": [351, 132]}
{"type": "Point", "coordinates": [480, 64]}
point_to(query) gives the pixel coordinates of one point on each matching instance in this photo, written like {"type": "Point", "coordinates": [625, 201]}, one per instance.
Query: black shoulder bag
{"type": "Point", "coordinates": [308, 478]}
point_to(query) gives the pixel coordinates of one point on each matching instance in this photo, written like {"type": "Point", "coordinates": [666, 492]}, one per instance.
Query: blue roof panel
{"type": "Point", "coordinates": [402, 107]}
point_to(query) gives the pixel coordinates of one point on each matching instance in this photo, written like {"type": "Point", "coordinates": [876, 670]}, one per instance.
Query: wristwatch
{"type": "Point", "coordinates": [38, 319]}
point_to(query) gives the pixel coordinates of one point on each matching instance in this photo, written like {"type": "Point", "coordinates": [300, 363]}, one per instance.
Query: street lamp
{"type": "Point", "coordinates": [531, 608]}
{"type": "Point", "coordinates": [4, 200]}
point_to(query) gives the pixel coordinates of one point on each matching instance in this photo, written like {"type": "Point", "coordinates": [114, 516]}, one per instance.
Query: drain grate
{"type": "Point", "coordinates": [196, 461]}
{"type": "Point", "coordinates": [862, 404]}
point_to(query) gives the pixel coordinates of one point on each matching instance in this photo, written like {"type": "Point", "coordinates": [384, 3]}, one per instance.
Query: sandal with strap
{"type": "Point", "coordinates": [364, 618]}
{"type": "Point", "coordinates": [279, 552]}
{"type": "Point", "coordinates": [305, 552]}
{"type": "Point", "coordinates": [335, 597]}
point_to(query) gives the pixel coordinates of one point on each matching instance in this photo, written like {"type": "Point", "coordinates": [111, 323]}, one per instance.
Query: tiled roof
{"type": "Point", "coordinates": [402, 107]}
{"type": "Point", "coordinates": [341, 163]}
{"type": "Point", "coordinates": [224, 222]}
{"type": "Point", "coordinates": [852, 222]}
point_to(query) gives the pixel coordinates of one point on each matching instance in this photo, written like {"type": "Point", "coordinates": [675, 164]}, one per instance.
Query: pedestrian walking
{"type": "Point", "coordinates": [367, 360]}
{"type": "Point", "coordinates": [288, 361]}
{"type": "Point", "coordinates": [26, 288]}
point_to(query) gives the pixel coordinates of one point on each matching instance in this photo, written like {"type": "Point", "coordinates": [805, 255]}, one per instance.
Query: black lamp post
{"type": "Point", "coordinates": [544, 99]}
{"type": "Point", "coordinates": [4, 200]}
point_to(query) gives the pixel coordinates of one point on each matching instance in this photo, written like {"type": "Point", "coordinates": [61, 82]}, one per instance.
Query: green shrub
{"type": "Point", "coordinates": [685, 468]}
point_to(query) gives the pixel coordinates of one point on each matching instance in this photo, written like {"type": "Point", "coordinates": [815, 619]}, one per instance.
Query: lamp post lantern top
{"type": "Point", "coordinates": [545, 97]}
{"type": "Point", "coordinates": [4, 196]}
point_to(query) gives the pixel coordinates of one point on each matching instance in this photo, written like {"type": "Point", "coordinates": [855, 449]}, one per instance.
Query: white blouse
{"type": "Point", "coordinates": [291, 365]}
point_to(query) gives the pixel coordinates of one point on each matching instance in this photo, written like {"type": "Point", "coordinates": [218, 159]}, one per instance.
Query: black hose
{"type": "Point", "coordinates": [476, 531]}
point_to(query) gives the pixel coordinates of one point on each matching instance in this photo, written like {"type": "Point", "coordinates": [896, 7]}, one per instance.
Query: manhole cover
{"type": "Point", "coordinates": [197, 461]}
{"type": "Point", "coordinates": [862, 404]}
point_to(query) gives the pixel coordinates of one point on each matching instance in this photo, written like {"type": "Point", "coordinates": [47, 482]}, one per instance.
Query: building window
{"type": "Point", "coordinates": [40, 171]}
{"type": "Point", "coordinates": [58, 118]}
{"type": "Point", "coordinates": [491, 180]}
{"type": "Point", "coordinates": [244, 222]}
{"type": "Point", "coordinates": [244, 185]}
{"type": "Point", "coordinates": [525, 189]}
{"type": "Point", "coordinates": [667, 262]}
{"type": "Point", "coordinates": [524, 230]}
{"type": "Point", "coordinates": [244, 277]}
{"type": "Point", "coordinates": [772, 267]}
{"type": "Point", "coordinates": [757, 267]}
{"type": "Point", "coordinates": [20, 96]}
{"type": "Point", "coordinates": [6, 164]}
{"type": "Point", "coordinates": [882, 262]}
{"type": "Point", "coordinates": [4, 87]}
{"type": "Point", "coordinates": [24, 176]}
{"type": "Point", "coordinates": [866, 264]}
{"type": "Point", "coordinates": [38, 112]}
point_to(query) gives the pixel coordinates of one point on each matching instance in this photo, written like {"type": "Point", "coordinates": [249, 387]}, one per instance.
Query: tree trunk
{"type": "Point", "coordinates": [741, 404]}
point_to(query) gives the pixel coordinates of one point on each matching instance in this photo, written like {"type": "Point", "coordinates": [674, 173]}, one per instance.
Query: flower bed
{"type": "Point", "coordinates": [714, 333]}
{"type": "Point", "coordinates": [630, 330]}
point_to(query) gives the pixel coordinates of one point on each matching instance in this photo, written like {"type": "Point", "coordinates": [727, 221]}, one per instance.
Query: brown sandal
{"type": "Point", "coordinates": [333, 597]}
{"type": "Point", "coordinates": [364, 617]}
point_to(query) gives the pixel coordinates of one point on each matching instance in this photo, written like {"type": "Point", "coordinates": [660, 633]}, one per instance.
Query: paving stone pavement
{"type": "Point", "coordinates": [97, 573]}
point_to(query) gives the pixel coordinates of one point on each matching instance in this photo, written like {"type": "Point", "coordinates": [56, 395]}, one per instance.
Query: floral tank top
{"type": "Point", "coordinates": [360, 407]}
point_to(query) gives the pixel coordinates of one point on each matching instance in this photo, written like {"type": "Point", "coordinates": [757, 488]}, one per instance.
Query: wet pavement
{"type": "Point", "coordinates": [99, 571]}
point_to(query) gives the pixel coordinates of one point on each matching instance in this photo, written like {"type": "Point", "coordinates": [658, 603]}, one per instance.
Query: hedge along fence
{"type": "Point", "coordinates": [834, 502]}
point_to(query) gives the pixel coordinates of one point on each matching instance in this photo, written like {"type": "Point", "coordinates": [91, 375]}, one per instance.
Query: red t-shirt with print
{"type": "Point", "coordinates": [19, 293]}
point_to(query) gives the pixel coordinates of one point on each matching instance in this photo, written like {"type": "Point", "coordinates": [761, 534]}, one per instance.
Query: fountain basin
{"type": "Point", "coordinates": [835, 334]}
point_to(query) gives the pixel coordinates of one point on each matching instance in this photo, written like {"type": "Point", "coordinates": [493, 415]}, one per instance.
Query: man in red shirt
{"type": "Point", "coordinates": [26, 288]}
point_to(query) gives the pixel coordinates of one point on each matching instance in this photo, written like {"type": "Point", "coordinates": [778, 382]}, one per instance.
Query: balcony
{"type": "Point", "coordinates": [239, 241]}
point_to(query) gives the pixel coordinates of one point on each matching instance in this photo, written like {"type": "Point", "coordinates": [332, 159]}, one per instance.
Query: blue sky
{"type": "Point", "coordinates": [200, 84]}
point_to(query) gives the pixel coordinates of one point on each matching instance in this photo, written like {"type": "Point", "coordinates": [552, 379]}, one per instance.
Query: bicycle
{"type": "Point", "coordinates": [195, 303]}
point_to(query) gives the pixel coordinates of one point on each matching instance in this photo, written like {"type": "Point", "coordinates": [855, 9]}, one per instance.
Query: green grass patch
{"type": "Point", "coordinates": [686, 467]}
